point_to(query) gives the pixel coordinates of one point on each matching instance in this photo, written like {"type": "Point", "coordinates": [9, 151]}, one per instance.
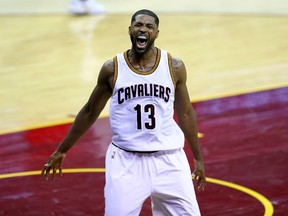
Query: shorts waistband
{"type": "Point", "coordinates": [131, 151]}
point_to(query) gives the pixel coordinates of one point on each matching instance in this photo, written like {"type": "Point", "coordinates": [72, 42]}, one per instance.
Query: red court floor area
{"type": "Point", "coordinates": [245, 144]}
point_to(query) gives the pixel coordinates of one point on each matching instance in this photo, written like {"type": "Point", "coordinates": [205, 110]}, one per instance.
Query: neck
{"type": "Point", "coordinates": [143, 61]}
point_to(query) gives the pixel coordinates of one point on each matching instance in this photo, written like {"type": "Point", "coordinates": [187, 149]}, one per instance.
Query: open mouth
{"type": "Point", "coordinates": [141, 41]}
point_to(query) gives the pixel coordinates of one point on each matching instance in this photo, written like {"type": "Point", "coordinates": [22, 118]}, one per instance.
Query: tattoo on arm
{"type": "Point", "coordinates": [175, 64]}
{"type": "Point", "coordinates": [177, 67]}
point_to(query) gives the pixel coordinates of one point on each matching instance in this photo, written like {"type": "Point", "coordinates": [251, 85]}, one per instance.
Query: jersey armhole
{"type": "Point", "coordinates": [115, 74]}
{"type": "Point", "coordinates": [171, 69]}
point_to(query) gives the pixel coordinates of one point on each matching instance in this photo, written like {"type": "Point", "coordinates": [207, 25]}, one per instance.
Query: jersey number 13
{"type": "Point", "coordinates": [149, 110]}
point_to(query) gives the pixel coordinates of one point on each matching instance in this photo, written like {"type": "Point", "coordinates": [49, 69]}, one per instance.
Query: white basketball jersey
{"type": "Point", "coordinates": [142, 106]}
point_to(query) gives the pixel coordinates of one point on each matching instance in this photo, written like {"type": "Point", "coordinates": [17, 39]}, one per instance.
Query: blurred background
{"type": "Point", "coordinates": [236, 56]}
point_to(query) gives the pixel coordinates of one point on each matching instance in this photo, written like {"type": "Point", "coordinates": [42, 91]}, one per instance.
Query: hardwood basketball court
{"type": "Point", "coordinates": [237, 61]}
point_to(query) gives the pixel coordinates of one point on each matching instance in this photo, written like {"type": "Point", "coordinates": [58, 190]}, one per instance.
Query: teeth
{"type": "Point", "coordinates": [141, 41]}
{"type": "Point", "coordinates": [142, 37]}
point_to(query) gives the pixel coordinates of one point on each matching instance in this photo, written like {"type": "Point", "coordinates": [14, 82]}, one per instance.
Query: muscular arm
{"type": "Point", "coordinates": [84, 119]}
{"type": "Point", "coordinates": [187, 120]}
{"type": "Point", "coordinates": [92, 109]}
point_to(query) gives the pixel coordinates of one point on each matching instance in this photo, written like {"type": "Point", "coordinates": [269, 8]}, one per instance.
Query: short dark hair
{"type": "Point", "coordinates": [147, 12]}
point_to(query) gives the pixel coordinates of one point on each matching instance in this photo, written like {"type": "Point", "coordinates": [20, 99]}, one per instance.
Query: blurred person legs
{"type": "Point", "coordinates": [83, 7]}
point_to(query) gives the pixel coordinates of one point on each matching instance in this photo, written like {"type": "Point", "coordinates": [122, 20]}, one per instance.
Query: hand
{"type": "Point", "coordinates": [55, 162]}
{"type": "Point", "coordinates": [199, 175]}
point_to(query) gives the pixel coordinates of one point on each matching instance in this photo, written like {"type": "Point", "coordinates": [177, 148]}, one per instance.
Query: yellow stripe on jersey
{"type": "Point", "coordinates": [171, 69]}
{"type": "Point", "coordinates": [115, 72]}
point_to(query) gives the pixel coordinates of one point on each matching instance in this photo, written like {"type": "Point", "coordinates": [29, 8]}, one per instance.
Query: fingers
{"type": "Point", "coordinates": [47, 168]}
{"type": "Point", "coordinates": [201, 180]}
{"type": "Point", "coordinates": [54, 163]}
{"type": "Point", "coordinates": [201, 184]}
{"type": "Point", "coordinates": [53, 173]}
{"type": "Point", "coordinates": [60, 171]}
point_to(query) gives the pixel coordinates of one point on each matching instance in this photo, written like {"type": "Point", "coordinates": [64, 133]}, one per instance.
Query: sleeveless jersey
{"type": "Point", "coordinates": [142, 106]}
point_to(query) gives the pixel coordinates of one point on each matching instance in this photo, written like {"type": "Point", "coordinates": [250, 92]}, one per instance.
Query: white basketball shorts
{"type": "Point", "coordinates": [163, 176]}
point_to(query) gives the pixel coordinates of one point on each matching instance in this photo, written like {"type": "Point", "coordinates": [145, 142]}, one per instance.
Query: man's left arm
{"type": "Point", "coordinates": [188, 120]}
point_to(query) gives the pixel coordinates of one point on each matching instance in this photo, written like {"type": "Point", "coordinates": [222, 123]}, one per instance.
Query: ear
{"type": "Point", "coordinates": [157, 34]}
{"type": "Point", "coordinates": [129, 30]}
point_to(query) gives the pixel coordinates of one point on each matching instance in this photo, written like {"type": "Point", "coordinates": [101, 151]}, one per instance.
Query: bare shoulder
{"type": "Point", "coordinates": [108, 66]}
{"type": "Point", "coordinates": [178, 67]}
{"type": "Point", "coordinates": [107, 72]}
{"type": "Point", "coordinates": [176, 63]}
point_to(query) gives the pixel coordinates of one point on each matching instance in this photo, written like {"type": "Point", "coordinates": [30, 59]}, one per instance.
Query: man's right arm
{"type": "Point", "coordinates": [84, 119]}
{"type": "Point", "coordinates": [92, 109]}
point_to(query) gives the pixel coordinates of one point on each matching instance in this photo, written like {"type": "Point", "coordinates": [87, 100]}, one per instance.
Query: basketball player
{"type": "Point", "coordinates": [146, 156]}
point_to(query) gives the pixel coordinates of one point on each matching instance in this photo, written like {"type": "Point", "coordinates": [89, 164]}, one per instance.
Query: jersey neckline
{"type": "Point", "coordinates": [158, 57]}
